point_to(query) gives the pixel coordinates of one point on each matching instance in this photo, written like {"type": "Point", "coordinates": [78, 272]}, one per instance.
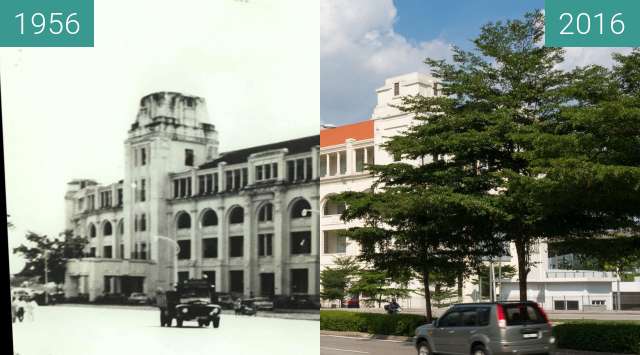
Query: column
{"type": "Point", "coordinates": [314, 272]}
{"type": "Point", "coordinates": [99, 239]}
{"type": "Point", "coordinates": [350, 156]}
{"type": "Point", "coordinates": [221, 176]}
{"type": "Point", "coordinates": [315, 156]}
{"type": "Point", "coordinates": [249, 253]}
{"type": "Point", "coordinates": [223, 252]}
{"type": "Point", "coordinates": [115, 239]}
{"type": "Point", "coordinates": [279, 245]}
{"type": "Point", "coordinates": [195, 244]}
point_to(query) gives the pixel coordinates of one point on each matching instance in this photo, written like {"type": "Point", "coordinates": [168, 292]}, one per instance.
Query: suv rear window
{"type": "Point", "coordinates": [520, 313]}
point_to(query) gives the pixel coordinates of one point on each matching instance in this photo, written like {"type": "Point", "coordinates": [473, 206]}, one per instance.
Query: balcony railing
{"type": "Point", "coordinates": [580, 275]}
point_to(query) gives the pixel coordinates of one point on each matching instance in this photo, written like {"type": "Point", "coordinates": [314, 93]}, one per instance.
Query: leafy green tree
{"type": "Point", "coordinates": [58, 252]}
{"type": "Point", "coordinates": [539, 150]}
{"type": "Point", "coordinates": [336, 280]}
{"type": "Point", "coordinates": [377, 286]}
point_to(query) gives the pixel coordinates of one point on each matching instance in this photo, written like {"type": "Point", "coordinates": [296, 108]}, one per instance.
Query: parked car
{"type": "Point", "coordinates": [262, 303]}
{"type": "Point", "coordinates": [225, 300]}
{"type": "Point", "coordinates": [138, 298]}
{"type": "Point", "coordinates": [352, 302]}
{"type": "Point", "coordinates": [488, 329]}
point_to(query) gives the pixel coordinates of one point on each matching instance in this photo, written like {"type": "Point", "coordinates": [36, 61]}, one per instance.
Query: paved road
{"type": "Point", "coordinates": [69, 330]}
{"type": "Point", "coordinates": [338, 345]}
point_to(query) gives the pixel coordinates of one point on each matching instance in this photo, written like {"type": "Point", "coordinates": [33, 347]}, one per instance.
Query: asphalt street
{"type": "Point", "coordinates": [339, 345]}
{"type": "Point", "coordinates": [71, 330]}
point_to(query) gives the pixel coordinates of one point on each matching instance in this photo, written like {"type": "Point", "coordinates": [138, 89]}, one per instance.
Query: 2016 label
{"type": "Point", "coordinates": [582, 24]}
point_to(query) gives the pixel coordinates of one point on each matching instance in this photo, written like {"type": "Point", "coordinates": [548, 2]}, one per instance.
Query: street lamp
{"type": "Point", "coordinates": [175, 257]}
{"type": "Point", "coordinates": [307, 211]}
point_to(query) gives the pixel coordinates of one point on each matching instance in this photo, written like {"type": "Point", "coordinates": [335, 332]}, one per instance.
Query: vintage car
{"type": "Point", "coordinates": [193, 300]}
{"type": "Point", "coordinates": [262, 304]}
{"type": "Point", "coordinates": [138, 298]}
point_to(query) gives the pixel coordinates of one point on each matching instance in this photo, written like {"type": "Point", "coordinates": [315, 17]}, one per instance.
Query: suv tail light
{"type": "Point", "coordinates": [544, 314]}
{"type": "Point", "coordinates": [502, 322]}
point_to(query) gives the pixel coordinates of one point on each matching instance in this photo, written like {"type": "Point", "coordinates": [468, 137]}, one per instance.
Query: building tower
{"type": "Point", "coordinates": [171, 134]}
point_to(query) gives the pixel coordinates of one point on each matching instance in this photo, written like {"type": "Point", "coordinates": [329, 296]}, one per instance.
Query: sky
{"type": "Point", "coordinates": [365, 41]}
{"type": "Point", "coordinates": [66, 111]}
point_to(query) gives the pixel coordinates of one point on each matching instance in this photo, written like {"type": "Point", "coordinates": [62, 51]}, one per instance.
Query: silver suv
{"type": "Point", "coordinates": [488, 329]}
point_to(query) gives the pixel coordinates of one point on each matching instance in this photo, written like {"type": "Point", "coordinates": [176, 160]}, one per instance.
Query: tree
{"type": "Point", "coordinates": [58, 252]}
{"type": "Point", "coordinates": [516, 137]}
{"type": "Point", "coordinates": [335, 281]}
{"type": "Point", "coordinates": [377, 286]}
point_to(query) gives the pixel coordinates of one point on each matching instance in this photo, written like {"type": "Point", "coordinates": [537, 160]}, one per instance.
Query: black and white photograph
{"type": "Point", "coordinates": [162, 187]}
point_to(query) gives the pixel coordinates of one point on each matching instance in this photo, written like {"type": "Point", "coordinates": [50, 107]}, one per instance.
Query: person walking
{"type": "Point", "coordinates": [32, 305]}
{"type": "Point", "coordinates": [21, 308]}
{"type": "Point", "coordinates": [161, 302]}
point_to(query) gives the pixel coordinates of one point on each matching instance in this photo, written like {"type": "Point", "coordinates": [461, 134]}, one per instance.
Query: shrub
{"type": "Point", "coordinates": [373, 323]}
{"type": "Point", "coordinates": [607, 336]}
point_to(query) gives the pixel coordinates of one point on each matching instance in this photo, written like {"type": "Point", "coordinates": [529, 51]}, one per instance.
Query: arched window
{"type": "Point", "coordinates": [298, 207]}
{"type": "Point", "coordinates": [333, 208]}
{"type": "Point", "coordinates": [266, 213]}
{"type": "Point", "coordinates": [184, 221]}
{"type": "Point", "coordinates": [236, 215]}
{"type": "Point", "coordinates": [209, 219]}
{"type": "Point", "coordinates": [92, 231]}
{"type": "Point", "coordinates": [106, 229]}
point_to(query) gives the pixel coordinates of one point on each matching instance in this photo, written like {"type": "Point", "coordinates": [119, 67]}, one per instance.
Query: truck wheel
{"type": "Point", "coordinates": [179, 321]}
{"type": "Point", "coordinates": [216, 322]}
{"type": "Point", "coordinates": [200, 323]}
{"type": "Point", "coordinates": [168, 321]}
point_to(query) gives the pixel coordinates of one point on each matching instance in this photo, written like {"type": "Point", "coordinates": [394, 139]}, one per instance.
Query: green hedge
{"type": "Point", "coordinates": [607, 336]}
{"type": "Point", "coordinates": [373, 323]}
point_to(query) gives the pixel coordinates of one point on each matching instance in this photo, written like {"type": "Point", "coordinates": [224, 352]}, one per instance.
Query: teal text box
{"type": "Point", "coordinates": [67, 23]}
{"type": "Point", "coordinates": [592, 23]}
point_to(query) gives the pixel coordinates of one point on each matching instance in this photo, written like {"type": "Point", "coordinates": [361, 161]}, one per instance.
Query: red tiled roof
{"type": "Point", "coordinates": [358, 131]}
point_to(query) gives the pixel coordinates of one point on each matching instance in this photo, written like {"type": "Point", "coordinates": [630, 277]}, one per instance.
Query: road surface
{"type": "Point", "coordinates": [339, 345]}
{"type": "Point", "coordinates": [70, 330]}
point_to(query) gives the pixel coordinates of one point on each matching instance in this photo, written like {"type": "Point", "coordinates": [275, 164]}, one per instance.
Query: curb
{"type": "Point", "coordinates": [366, 335]}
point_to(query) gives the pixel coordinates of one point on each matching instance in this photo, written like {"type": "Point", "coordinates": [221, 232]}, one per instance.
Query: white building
{"type": "Point", "coordinates": [236, 217]}
{"type": "Point", "coordinates": [344, 149]}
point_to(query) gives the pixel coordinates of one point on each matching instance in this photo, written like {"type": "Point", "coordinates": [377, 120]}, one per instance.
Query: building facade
{"type": "Point", "coordinates": [345, 149]}
{"type": "Point", "coordinates": [245, 219]}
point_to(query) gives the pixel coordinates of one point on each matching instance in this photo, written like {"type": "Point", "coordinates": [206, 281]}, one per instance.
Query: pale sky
{"type": "Point", "coordinates": [66, 111]}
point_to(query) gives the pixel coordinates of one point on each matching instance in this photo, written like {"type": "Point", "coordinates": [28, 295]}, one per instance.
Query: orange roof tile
{"type": "Point", "coordinates": [358, 131]}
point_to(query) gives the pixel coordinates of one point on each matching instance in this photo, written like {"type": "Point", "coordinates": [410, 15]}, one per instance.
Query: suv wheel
{"type": "Point", "coordinates": [424, 349]}
{"type": "Point", "coordinates": [479, 350]}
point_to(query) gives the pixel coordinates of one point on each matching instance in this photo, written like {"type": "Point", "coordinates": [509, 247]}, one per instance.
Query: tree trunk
{"type": "Point", "coordinates": [460, 287]}
{"type": "Point", "coordinates": [427, 295]}
{"type": "Point", "coordinates": [523, 268]}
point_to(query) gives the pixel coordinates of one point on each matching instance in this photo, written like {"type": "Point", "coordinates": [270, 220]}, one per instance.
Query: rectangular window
{"type": "Point", "coordinates": [259, 173]}
{"type": "Point", "coordinates": [236, 246]}
{"type": "Point", "coordinates": [360, 160]}
{"type": "Point", "coordinates": [107, 252]}
{"type": "Point", "coordinates": [176, 188]}
{"type": "Point", "coordinates": [183, 276]}
{"type": "Point", "coordinates": [229, 180]}
{"type": "Point", "coordinates": [185, 249]}
{"type": "Point", "coordinates": [143, 190]}
{"type": "Point", "coordinates": [265, 246]}
{"type": "Point", "coordinates": [301, 242]}
{"type": "Point", "coordinates": [396, 89]}
{"type": "Point", "coordinates": [333, 164]}
{"type": "Point", "coordinates": [343, 162]}
{"type": "Point", "coordinates": [92, 252]}
{"type": "Point", "coordinates": [299, 281]}
{"type": "Point", "coordinates": [245, 177]}
{"type": "Point", "coordinates": [236, 179]}
{"type": "Point", "coordinates": [120, 197]}
{"type": "Point", "coordinates": [143, 156]}
{"type": "Point", "coordinates": [188, 157]}
{"type": "Point", "coordinates": [267, 172]}
{"type": "Point", "coordinates": [274, 170]}
{"type": "Point", "coordinates": [188, 181]}
{"type": "Point", "coordinates": [143, 251]}
{"type": "Point", "coordinates": [300, 169]}
{"type": "Point", "coordinates": [291, 170]}
{"type": "Point", "coordinates": [370, 155]}
{"type": "Point", "coordinates": [122, 251]}
{"type": "Point", "coordinates": [208, 185]}
{"type": "Point", "coordinates": [334, 243]}
{"type": "Point", "coordinates": [216, 183]}
{"type": "Point", "coordinates": [210, 247]}
{"type": "Point", "coordinates": [201, 185]}
{"type": "Point", "coordinates": [323, 165]}
{"type": "Point", "coordinates": [236, 281]}
{"type": "Point", "coordinates": [143, 222]}
{"type": "Point", "coordinates": [183, 187]}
